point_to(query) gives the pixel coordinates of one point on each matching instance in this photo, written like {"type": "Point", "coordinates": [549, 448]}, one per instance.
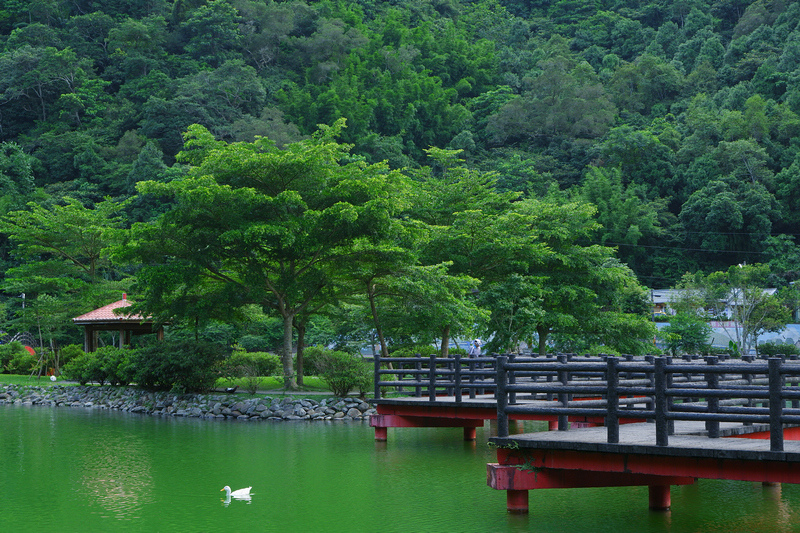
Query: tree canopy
{"type": "Point", "coordinates": [669, 131]}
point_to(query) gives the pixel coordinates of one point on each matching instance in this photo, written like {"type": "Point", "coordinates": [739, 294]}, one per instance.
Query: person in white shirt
{"type": "Point", "coordinates": [475, 348]}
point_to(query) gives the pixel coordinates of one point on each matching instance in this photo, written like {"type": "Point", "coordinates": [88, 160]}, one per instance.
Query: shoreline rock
{"type": "Point", "coordinates": [205, 406]}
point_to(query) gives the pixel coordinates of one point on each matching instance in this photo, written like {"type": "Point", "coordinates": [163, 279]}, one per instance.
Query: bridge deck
{"type": "Point", "coordinates": [583, 458]}
{"type": "Point", "coordinates": [483, 401]}
{"type": "Point", "coordinates": [689, 440]}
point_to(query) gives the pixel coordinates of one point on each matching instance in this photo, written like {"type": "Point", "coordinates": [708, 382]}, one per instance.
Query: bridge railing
{"type": "Point", "coordinates": [658, 389]}
{"type": "Point", "coordinates": [435, 376]}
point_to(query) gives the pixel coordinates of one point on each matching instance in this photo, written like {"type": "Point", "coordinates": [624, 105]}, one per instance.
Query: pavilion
{"type": "Point", "coordinates": [107, 319]}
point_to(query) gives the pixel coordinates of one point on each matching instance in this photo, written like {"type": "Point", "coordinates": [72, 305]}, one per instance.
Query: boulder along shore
{"type": "Point", "coordinates": [208, 406]}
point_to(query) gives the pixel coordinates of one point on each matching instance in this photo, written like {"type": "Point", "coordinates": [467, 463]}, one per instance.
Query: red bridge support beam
{"type": "Point", "coordinates": [517, 481]}
{"type": "Point", "coordinates": [381, 423]}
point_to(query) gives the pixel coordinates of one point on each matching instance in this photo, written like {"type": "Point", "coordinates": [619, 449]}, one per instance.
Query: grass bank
{"type": "Point", "coordinates": [18, 379]}
{"type": "Point", "coordinates": [271, 384]}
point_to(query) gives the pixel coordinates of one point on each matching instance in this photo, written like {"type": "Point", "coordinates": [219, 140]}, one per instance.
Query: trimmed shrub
{"type": "Point", "coordinates": [256, 363]}
{"type": "Point", "coordinates": [180, 366]}
{"type": "Point", "coordinates": [312, 357]}
{"type": "Point", "coordinates": [425, 350]}
{"type": "Point", "coordinates": [21, 363]}
{"type": "Point", "coordinates": [84, 368]}
{"type": "Point", "coordinates": [686, 333]}
{"type": "Point", "coordinates": [251, 366]}
{"type": "Point", "coordinates": [69, 352]}
{"type": "Point", "coordinates": [10, 351]}
{"type": "Point", "coordinates": [115, 364]}
{"type": "Point", "coordinates": [343, 372]}
{"type": "Point", "coordinates": [771, 349]}
{"type": "Point", "coordinates": [108, 364]}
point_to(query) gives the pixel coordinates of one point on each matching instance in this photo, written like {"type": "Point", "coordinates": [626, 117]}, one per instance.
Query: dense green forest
{"type": "Point", "coordinates": [678, 120]}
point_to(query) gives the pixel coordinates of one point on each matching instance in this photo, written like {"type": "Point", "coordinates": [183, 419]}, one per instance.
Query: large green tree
{"type": "Point", "coordinates": [569, 287]}
{"type": "Point", "coordinates": [254, 224]}
{"type": "Point", "coordinates": [739, 298]}
{"type": "Point", "coordinates": [64, 265]}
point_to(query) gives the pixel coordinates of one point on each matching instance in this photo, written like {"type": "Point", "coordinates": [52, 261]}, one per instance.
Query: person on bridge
{"type": "Point", "coordinates": [475, 348]}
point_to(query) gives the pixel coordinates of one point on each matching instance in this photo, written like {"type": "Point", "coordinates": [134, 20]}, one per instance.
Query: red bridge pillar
{"type": "Point", "coordinates": [517, 501]}
{"type": "Point", "coordinates": [659, 497]}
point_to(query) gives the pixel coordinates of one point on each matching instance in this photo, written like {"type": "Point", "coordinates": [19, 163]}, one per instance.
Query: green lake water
{"type": "Point", "coordinates": [66, 469]}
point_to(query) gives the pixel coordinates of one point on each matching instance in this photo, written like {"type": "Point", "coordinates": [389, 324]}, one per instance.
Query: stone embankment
{"type": "Point", "coordinates": [210, 406]}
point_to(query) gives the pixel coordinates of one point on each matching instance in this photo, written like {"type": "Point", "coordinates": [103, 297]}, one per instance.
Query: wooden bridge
{"type": "Point", "coordinates": [652, 421]}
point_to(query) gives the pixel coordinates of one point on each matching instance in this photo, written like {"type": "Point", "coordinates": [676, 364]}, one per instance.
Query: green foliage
{"type": "Point", "coordinates": [425, 350]}
{"type": "Point", "coordinates": [250, 367]}
{"type": "Point", "coordinates": [180, 366]}
{"type": "Point", "coordinates": [255, 363]}
{"type": "Point", "coordinates": [678, 121]}
{"type": "Point", "coordinates": [686, 333]}
{"type": "Point", "coordinates": [772, 349]}
{"type": "Point", "coordinates": [306, 228]}
{"type": "Point", "coordinates": [107, 364]}
{"type": "Point", "coordinates": [84, 368]}
{"type": "Point", "coordinates": [312, 359]}
{"type": "Point", "coordinates": [256, 343]}
{"type": "Point", "coordinates": [18, 359]}
{"type": "Point", "coordinates": [10, 351]}
{"type": "Point", "coordinates": [738, 294]}
{"type": "Point", "coordinates": [344, 372]}
{"type": "Point", "coordinates": [70, 352]}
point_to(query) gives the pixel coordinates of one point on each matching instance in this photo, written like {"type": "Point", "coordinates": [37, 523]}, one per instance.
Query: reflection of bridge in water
{"type": "Point", "coordinates": [653, 421]}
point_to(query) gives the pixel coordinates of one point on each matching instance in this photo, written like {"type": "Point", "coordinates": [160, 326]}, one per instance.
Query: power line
{"type": "Point", "coordinates": [705, 250]}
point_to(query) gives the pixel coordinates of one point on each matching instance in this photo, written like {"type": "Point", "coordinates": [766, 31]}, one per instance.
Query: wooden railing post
{"type": "Point", "coordinates": [612, 400]}
{"type": "Point", "coordinates": [500, 394]}
{"type": "Point", "coordinates": [650, 406]}
{"type": "Point", "coordinates": [432, 378]}
{"type": "Point", "coordinates": [775, 405]}
{"type": "Point", "coordinates": [660, 400]}
{"type": "Point", "coordinates": [457, 388]}
{"type": "Point", "coordinates": [670, 400]}
{"type": "Point", "coordinates": [712, 379]}
{"type": "Point", "coordinates": [418, 375]}
{"type": "Point", "coordinates": [376, 359]}
{"type": "Point", "coordinates": [563, 397]}
{"type": "Point", "coordinates": [749, 378]}
{"type": "Point", "coordinates": [471, 378]}
{"type": "Point", "coordinates": [512, 379]}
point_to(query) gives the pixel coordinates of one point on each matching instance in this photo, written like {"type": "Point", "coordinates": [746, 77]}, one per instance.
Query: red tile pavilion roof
{"type": "Point", "coordinates": [107, 314]}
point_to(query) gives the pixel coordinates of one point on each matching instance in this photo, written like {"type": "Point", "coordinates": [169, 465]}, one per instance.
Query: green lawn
{"type": "Point", "coordinates": [17, 379]}
{"type": "Point", "coordinates": [272, 383]}
{"type": "Point", "coordinates": [310, 383]}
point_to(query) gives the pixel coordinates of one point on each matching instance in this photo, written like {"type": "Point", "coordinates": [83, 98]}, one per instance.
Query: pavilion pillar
{"type": "Point", "coordinates": [381, 433]}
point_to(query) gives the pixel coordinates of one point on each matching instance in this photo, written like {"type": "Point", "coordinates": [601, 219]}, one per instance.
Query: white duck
{"type": "Point", "coordinates": [240, 493]}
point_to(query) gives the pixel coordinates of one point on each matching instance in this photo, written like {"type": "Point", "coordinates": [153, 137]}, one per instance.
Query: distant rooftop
{"type": "Point", "coordinates": [107, 314]}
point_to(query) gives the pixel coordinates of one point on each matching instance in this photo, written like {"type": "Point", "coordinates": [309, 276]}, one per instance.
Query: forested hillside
{"type": "Point", "coordinates": [678, 120]}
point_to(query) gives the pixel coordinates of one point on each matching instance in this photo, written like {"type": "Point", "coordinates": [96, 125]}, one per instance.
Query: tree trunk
{"type": "Point", "coordinates": [375, 321]}
{"type": "Point", "coordinates": [543, 333]}
{"type": "Point", "coordinates": [286, 358]}
{"type": "Point", "coordinates": [301, 344]}
{"type": "Point", "coordinates": [446, 341]}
